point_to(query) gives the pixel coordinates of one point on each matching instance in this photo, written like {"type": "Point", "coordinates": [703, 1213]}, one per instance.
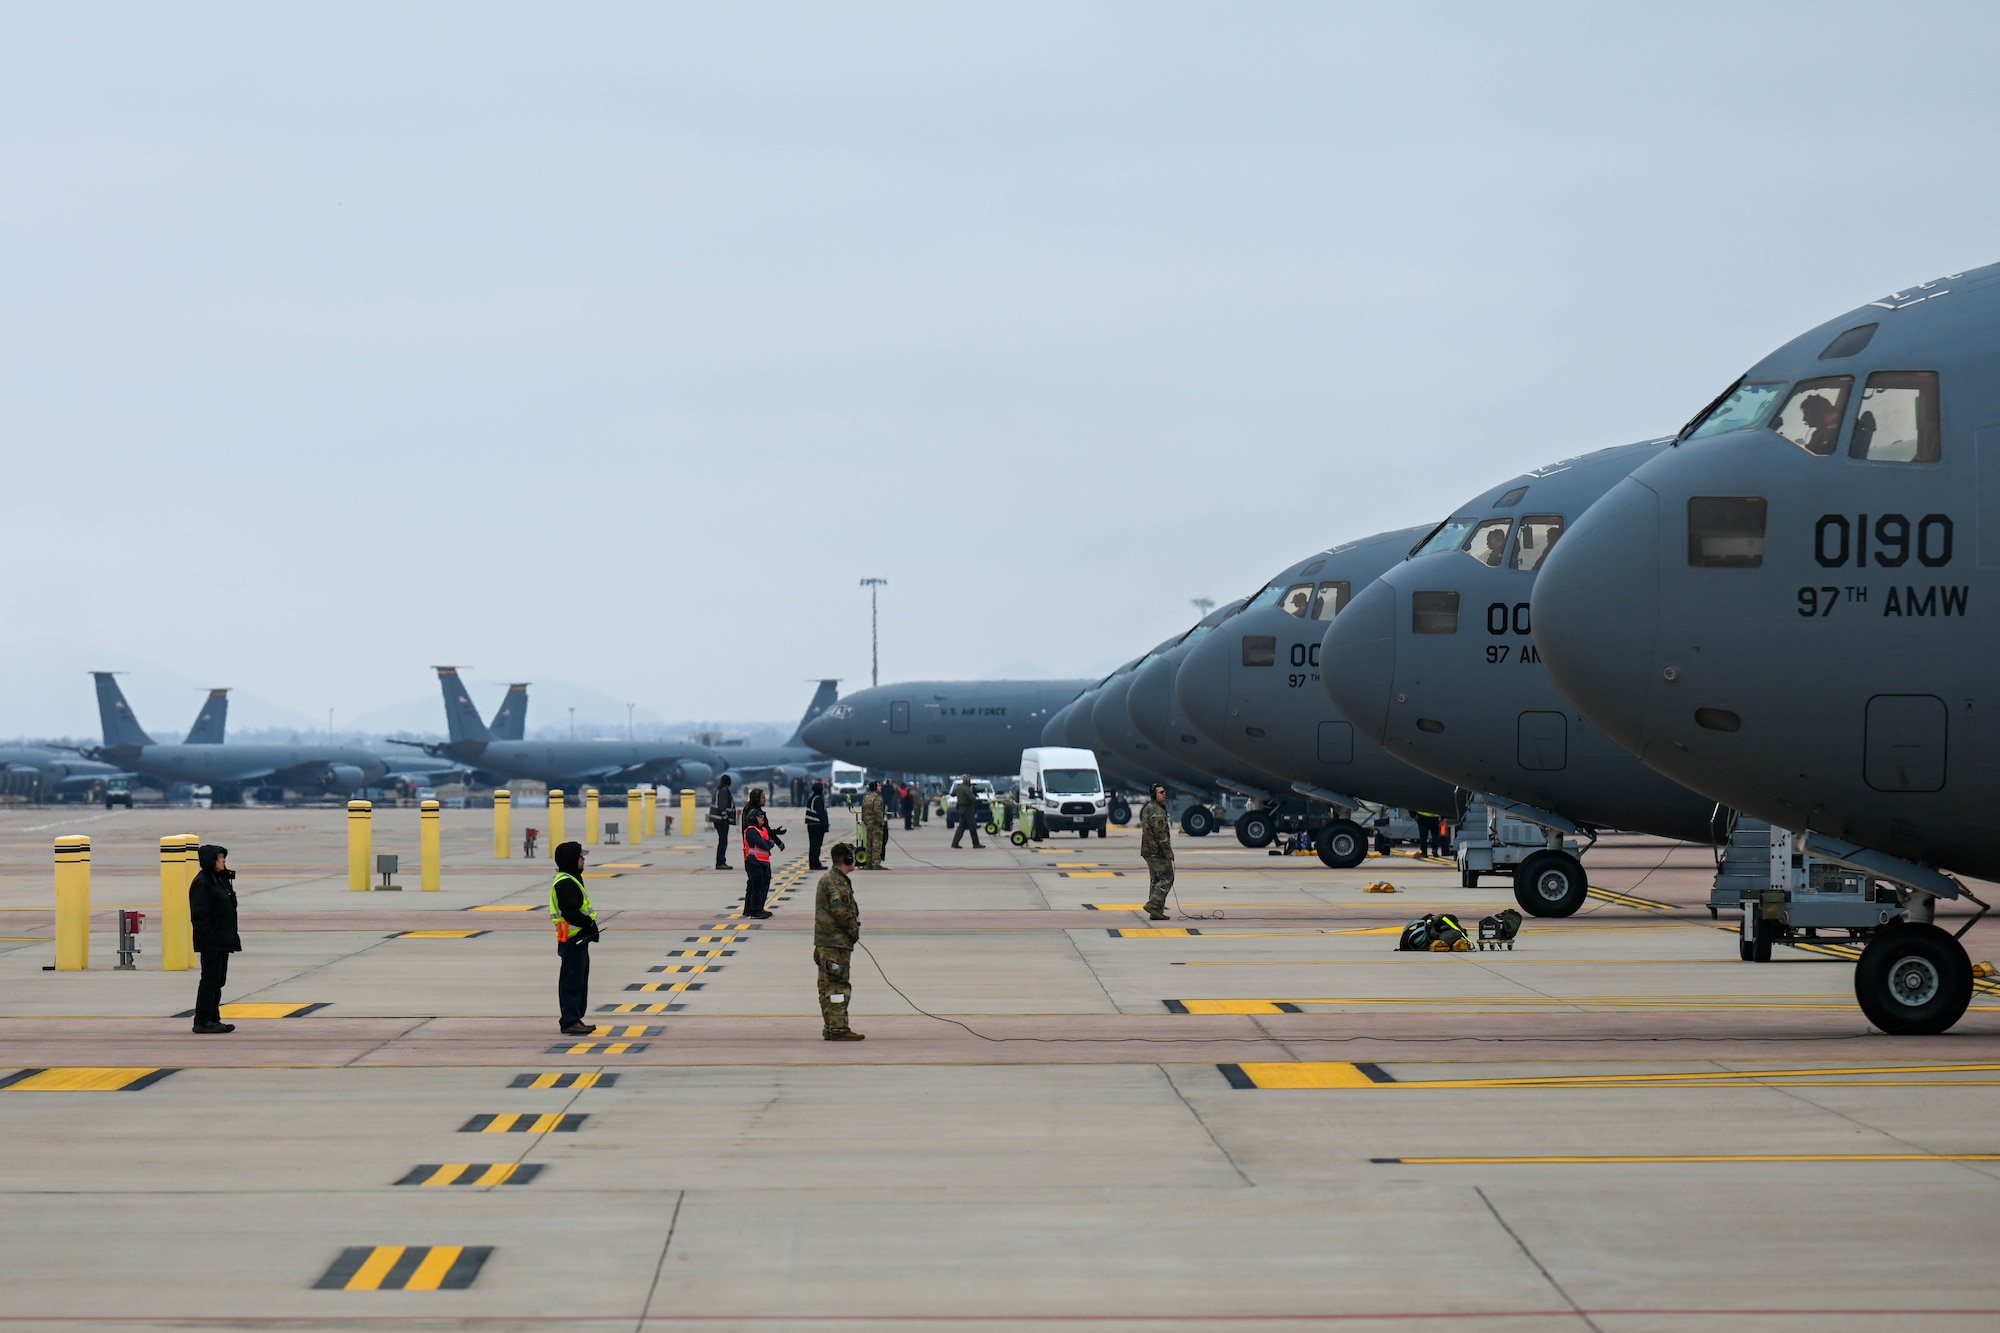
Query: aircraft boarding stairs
{"type": "Point", "coordinates": [1782, 893]}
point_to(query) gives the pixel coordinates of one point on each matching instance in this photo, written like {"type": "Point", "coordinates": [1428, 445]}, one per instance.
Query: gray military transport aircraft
{"type": "Point", "coordinates": [42, 771]}
{"type": "Point", "coordinates": [228, 770]}
{"type": "Point", "coordinates": [1788, 611]}
{"type": "Point", "coordinates": [564, 765]}
{"type": "Point", "coordinates": [1436, 662]}
{"type": "Point", "coordinates": [940, 726]}
{"type": "Point", "coordinates": [1252, 689]}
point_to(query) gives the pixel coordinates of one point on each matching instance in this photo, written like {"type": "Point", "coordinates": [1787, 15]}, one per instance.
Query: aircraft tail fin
{"type": "Point", "coordinates": [209, 723]}
{"type": "Point", "coordinates": [462, 722]}
{"type": "Point", "coordinates": [115, 715]}
{"type": "Point", "coordinates": [823, 698]}
{"type": "Point", "coordinates": [510, 719]}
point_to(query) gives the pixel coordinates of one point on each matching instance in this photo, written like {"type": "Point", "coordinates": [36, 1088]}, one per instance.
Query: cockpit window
{"type": "Point", "coordinates": [1331, 599]}
{"type": "Point", "coordinates": [1898, 420]}
{"type": "Point", "coordinates": [1297, 600]}
{"type": "Point", "coordinates": [1433, 613]}
{"type": "Point", "coordinates": [1538, 534]}
{"type": "Point", "coordinates": [1489, 541]}
{"type": "Point", "coordinates": [1196, 633]}
{"type": "Point", "coordinates": [1726, 531]}
{"type": "Point", "coordinates": [1812, 414]}
{"type": "Point", "coordinates": [1266, 596]}
{"type": "Point", "coordinates": [1450, 535]}
{"type": "Point", "coordinates": [1749, 404]}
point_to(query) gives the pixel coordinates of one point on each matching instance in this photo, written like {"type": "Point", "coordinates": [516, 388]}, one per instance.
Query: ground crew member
{"type": "Point", "coordinates": [816, 824]}
{"type": "Point", "coordinates": [758, 840]}
{"type": "Point", "coordinates": [576, 931]}
{"type": "Point", "coordinates": [528, 843]}
{"type": "Point", "coordinates": [1428, 836]}
{"type": "Point", "coordinates": [722, 813]}
{"type": "Point", "coordinates": [912, 798]}
{"type": "Point", "coordinates": [1156, 848]}
{"type": "Point", "coordinates": [212, 913]}
{"type": "Point", "coordinates": [967, 797]}
{"type": "Point", "coordinates": [836, 928]}
{"type": "Point", "coordinates": [875, 822]}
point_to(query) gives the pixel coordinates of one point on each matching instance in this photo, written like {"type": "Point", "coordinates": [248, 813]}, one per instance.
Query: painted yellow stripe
{"type": "Point", "coordinates": [449, 1172]}
{"type": "Point", "coordinates": [1340, 1074]}
{"type": "Point", "coordinates": [545, 1124]}
{"type": "Point", "coordinates": [498, 907]}
{"type": "Point", "coordinates": [1157, 933]}
{"type": "Point", "coordinates": [494, 1175]}
{"type": "Point", "coordinates": [1309, 1074]}
{"type": "Point", "coordinates": [374, 1268]}
{"type": "Point", "coordinates": [80, 1079]}
{"type": "Point", "coordinates": [430, 1272]}
{"type": "Point", "coordinates": [262, 1010]}
{"type": "Point", "coordinates": [439, 934]}
{"type": "Point", "coordinates": [1231, 1007]}
{"type": "Point", "coordinates": [545, 1080]}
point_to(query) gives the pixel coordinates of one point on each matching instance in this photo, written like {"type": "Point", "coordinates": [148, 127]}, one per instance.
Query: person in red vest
{"type": "Point", "coordinates": [758, 839]}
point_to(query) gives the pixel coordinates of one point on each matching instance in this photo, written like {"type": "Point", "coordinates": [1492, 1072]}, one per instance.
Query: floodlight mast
{"type": "Point", "coordinates": [874, 635]}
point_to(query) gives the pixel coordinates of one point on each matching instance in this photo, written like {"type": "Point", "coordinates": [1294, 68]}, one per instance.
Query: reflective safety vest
{"type": "Point", "coordinates": [758, 849]}
{"type": "Point", "coordinates": [563, 927]}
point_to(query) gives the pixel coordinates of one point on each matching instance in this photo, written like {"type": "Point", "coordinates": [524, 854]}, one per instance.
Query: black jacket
{"type": "Point", "coordinates": [816, 810]}
{"type": "Point", "coordinates": [212, 909]}
{"type": "Point", "coordinates": [722, 809]}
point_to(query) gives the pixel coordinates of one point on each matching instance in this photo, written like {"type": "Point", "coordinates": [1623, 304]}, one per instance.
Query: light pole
{"type": "Point", "coordinates": [874, 635]}
{"type": "Point", "coordinates": [628, 720]}
{"type": "Point", "coordinates": [572, 724]}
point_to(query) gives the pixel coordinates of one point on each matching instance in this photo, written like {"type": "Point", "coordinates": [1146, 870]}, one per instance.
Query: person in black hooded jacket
{"type": "Point", "coordinates": [212, 912]}
{"type": "Point", "coordinates": [576, 931]}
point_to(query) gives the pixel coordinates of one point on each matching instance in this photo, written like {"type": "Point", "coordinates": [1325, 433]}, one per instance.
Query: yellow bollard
{"type": "Point", "coordinates": [635, 814]}
{"type": "Point", "coordinates": [72, 903]}
{"type": "Point", "coordinates": [428, 843]}
{"type": "Point", "coordinates": [176, 931]}
{"type": "Point", "coordinates": [555, 819]}
{"type": "Point", "coordinates": [687, 812]}
{"type": "Point", "coordinates": [590, 815]}
{"type": "Point", "coordinates": [360, 841]}
{"type": "Point", "coordinates": [503, 824]}
{"type": "Point", "coordinates": [652, 816]}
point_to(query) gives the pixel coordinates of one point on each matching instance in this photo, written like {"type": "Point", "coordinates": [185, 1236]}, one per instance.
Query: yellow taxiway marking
{"type": "Point", "coordinates": [623, 865]}
{"type": "Point", "coordinates": [268, 1010]}
{"type": "Point", "coordinates": [472, 1173]}
{"type": "Point", "coordinates": [1539, 1002]}
{"type": "Point", "coordinates": [1406, 959]}
{"type": "Point", "coordinates": [83, 1079]}
{"type": "Point", "coordinates": [1092, 874]}
{"type": "Point", "coordinates": [438, 935]}
{"type": "Point", "coordinates": [1658, 1158]}
{"type": "Point", "coordinates": [503, 907]}
{"type": "Point", "coordinates": [1268, 1075]}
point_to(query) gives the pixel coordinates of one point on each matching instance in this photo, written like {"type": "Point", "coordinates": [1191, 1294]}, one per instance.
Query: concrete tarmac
{"type": "Point", "coordinates": [1257, 1114]}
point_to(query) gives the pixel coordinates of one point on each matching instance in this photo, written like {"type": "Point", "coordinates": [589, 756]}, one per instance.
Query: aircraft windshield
{"type": "Point", "coordinates": [1298, 600]}
{"type": "Point", "coordinates": [1197, 632]}
{"type": "Point", "coordinates": [1450, 535]}
{"type": "Point", "coordinates": [1538, 534]}
{"type": "Point", "coordinates": [1070, 781]}
{"type": "Point", "coordinates": [1267, 596]}
{"type": "Point", "coordinates": [1748, 405]}
{"type": "Point", "coordinates": [1330, 599]}
{"type": "Point", "coordinates": [1811, 417]}
{"type": "Point", "coordinates": [1489, 542]}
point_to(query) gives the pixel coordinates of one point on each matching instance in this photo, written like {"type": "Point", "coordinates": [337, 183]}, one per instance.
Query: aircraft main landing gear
{"type": "Point", "coordinates": [1198, 821]}
{"type": "Point", "coordinates": [1254, 828]}
{"type": "Point", "coordinates": [1913, 979]}
{"type": "Point", "coordinates": [1550, 883]}
{"type": "Point", "coordinates": [1342, 845]}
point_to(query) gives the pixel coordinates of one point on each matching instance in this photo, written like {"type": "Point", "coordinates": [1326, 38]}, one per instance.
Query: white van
{"type": "Point", "coordinates": [1062, 791]}
{"type": "Point", "coordinates": [846, 780]}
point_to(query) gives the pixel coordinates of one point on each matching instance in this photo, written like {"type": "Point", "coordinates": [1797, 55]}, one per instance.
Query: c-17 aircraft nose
{"type": "Point", "coordinates": [1201, 686]}
{"type": "Point", "coordinates": [1596, 609]}
{"type": "Point", "coordinates": [1357, 660]}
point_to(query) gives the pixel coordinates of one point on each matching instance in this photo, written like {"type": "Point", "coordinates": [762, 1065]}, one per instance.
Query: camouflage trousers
{"type": "Point", "coordinates": [878, 842]}
{"type": "Point", "coordinates": [1160, 878]}
{"type": "Point", "coordinates": [836, 969]}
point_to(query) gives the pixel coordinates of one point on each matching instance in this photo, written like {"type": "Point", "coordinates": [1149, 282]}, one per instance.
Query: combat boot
{"type": "Point", "coordinates": [1156, 913]}
{"type": "Point", "coordinates": [845, 1034]}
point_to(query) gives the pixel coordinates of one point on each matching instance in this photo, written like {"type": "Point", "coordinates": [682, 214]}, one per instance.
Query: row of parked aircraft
{"type": "Point", "coordinates": [1763, 632]}
{"type": "Point", "coordinates": [491, 753]}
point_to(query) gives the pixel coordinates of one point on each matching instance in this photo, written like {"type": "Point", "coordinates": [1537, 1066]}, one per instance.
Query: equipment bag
{"type": "Point", "coordinates": [1501, 926]}
{"type": "Point", "coordinates": [1433, 932]}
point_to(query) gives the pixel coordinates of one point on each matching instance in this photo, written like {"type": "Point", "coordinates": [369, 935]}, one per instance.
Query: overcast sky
{"type": "Point", "coordinates": [616, 343]}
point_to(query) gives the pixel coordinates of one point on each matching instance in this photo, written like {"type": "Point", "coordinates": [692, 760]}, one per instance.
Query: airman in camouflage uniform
{"type": "Point", "coordinates": [836, 927]}
{"type": "Point", "coordinates": [1156, 848]}
{"type": "Point", "coordinates": [967, 797]}
{"type": "Point", "coordinates": [875, 823]}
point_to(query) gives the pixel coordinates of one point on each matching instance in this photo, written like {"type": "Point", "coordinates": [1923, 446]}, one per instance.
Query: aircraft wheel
{"type": "Point", "coordinates": [1121, 813]}
{"type": "Point", "coordinates": [1341, 845]}
{"type": "Point", "coordinates": [1198, 822]}
{"type": "Point", "coordinates": [1018, 838]}
{"type": "Point", "coordinates": [1913, 980]}
{"type": "Point", "coordinates": [1550, 884]}
{"type": "Point", "coordinates": [1255, 829]}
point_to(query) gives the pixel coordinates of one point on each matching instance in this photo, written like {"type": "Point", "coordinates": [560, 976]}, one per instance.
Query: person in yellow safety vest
{"type": "Point", "coordinates": [576, 930]}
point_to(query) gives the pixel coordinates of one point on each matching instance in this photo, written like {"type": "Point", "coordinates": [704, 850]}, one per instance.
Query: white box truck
{"type": "Point", "coordinates": [1061, 792]}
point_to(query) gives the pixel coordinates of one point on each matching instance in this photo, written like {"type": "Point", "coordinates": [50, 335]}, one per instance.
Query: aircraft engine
{"type": "Point", "coordinates": [692, 773]}
{"type": "Point", "coordinates": [342, 777]}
